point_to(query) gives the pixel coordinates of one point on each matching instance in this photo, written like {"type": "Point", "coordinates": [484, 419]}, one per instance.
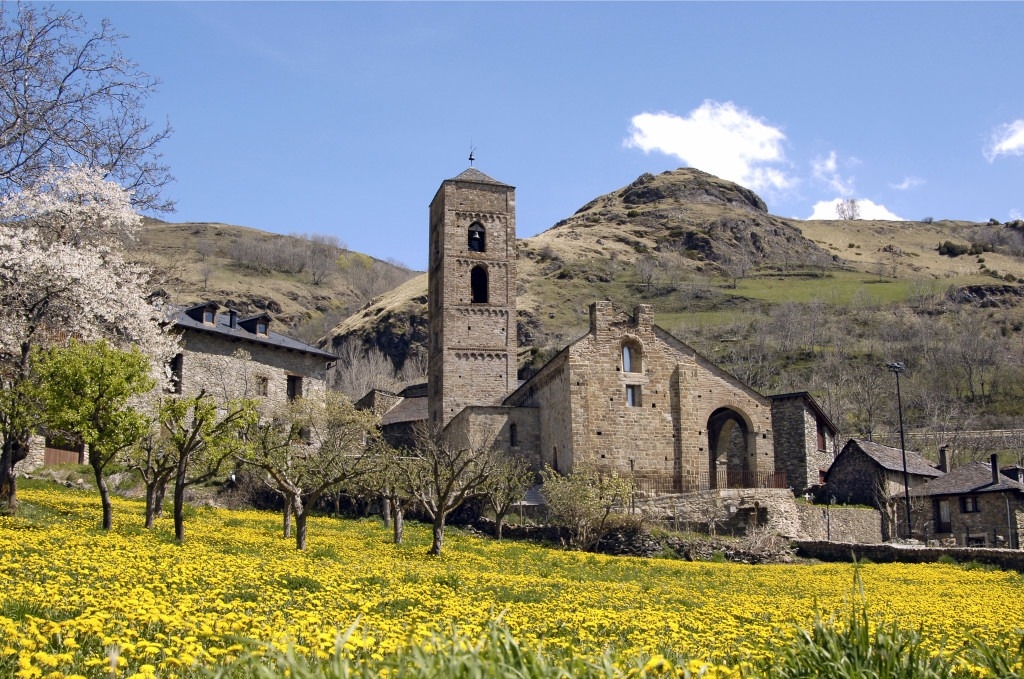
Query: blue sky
{"type": "Point", "coordinates": [344, 118]}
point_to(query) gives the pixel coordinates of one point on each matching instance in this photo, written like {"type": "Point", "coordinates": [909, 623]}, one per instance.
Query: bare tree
{"type": "Point", "coordinates": [508, 484]}
{"type": "Point", "coordinates": [848, 209]}
{"type": "Point", "coordinates": [443, 472]}
{"type": "Point", "coordinates": [323, 257]}
{"type": "Point", "coordinates": [359, 370]}
{"type": "Point", "coordinates": [646, 270]}
{"type": "Point", "coordinates": [309, 447]}
{"type": "Point", "coordinates": [736, 267]}
{"type": "Point", "coordinates": [69, 96]}
{"type": "Point", "coordinates": [206, 270]}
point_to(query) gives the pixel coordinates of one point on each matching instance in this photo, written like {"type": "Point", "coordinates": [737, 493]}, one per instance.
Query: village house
{"type": "Point", "coordinates": [233, 357]}
{"type": "Point", "coordinates": [226, 355]}
{"type": "Point", "coordinates": [971, 506]}
{"type": "Point", "coordinates": [868, 473]}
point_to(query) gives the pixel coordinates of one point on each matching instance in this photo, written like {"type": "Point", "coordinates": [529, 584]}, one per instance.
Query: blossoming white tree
{"type": "Point", "coordinates": [62, 275]}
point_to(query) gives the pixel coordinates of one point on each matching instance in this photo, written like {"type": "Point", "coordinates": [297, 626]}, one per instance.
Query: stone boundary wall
{"type": "Point", "coordinates": [860, 525]}
{"type": "Point", "coordinates": [888, 553]}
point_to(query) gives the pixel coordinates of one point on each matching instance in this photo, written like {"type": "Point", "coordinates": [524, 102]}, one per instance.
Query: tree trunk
{"type": "Point", "coordinates": [158, 499]}
{"type": "Point", "coordinates": [179, 508]}
{"type": "Point", "coordinates": [287, 516]}
{"type": "Point", "coordinates": [150, 504]}
{"type": "Point", "coordinates": [385, 509]}
{"type": "Point", "coordinates": [435, 546]}
{"type": "Point", "coordinates": [398, 523]}
{"type": "Point", "coordinates": [499, 523]}
{"type": "Point", "coordinates": [300, 529]}
{"type": "Point", "coordinates": [14, 451]}
{"type": "Point", "coordinates": [108, 509]}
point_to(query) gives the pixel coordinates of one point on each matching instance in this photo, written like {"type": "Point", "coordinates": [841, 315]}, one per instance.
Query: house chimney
{"type": "Point", "coordinates": [232, 318]}
{"type": "Point", "coordinates": [943, 459]}
{"type": "Point", "coordinates": [994, 461]}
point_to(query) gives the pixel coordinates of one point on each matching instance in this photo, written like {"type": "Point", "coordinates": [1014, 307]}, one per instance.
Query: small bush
{"type": "Point", "coordinates": [951, 249]}
{"type": "Point", "coordinates": [927, 220]}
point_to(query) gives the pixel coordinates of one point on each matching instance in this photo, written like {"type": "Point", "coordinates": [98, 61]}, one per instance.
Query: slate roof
{"type": "Point", "coordinates": [975, 477]}
{"type": "Point", "coordinates": [222, 326]}
{"type": "Point", "coordinates": [407, 410]}
{"type": "Point", "coordinates": [892, 458]}
{"type": "Point", "coordinates": [474, 175]}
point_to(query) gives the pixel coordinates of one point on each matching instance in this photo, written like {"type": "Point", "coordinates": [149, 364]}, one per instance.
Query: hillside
{"type": "Point", "coordinates": [306, 283]}
{"type": "Point", "coordinates": [699, 249]}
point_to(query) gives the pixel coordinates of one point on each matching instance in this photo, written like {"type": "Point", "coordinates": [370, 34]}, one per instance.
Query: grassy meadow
{"type": "Point", "coordinates": [77, 602]}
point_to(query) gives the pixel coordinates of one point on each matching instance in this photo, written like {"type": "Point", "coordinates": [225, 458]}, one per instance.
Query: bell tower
{"type": "Point", "coordinates": [472, 295]}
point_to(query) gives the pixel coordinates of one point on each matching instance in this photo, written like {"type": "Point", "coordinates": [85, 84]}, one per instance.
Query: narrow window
{"type": "Point", "coordinates": [631, 358]}
{"type": "Point", "coordinates": [478, 284]}
{"type": "Point", "coordinates": [942, 520]}
{"type": "Point", "coordinates": [513, 435]}
{"type": "Point", "coordinates": [477, 238]}
{"type": "Point", "coordinates": [821, 434]}
{"type": "Point", "coordinates": [294, 387]}
{"type": "Point", "coordinates": [262, 384]}
{"type": "Point", "coordinates": [208, 316]}
{"type": "Point", "coordinates": [633, 395]}
{"type": "Point", "coordinates": [261, 328]}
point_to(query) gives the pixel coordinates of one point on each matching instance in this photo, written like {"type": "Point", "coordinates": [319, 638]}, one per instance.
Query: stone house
{"type": "Point", "coordinates": [626, 396]}
{"type": "Point", "coordinates": [232, 357]}
{"type": "Point", "coordinates": [971, 506]}
{"type": "Point", "coordinates": [226, 355]}
{"type": "Point", "coordinates": [868, 473]}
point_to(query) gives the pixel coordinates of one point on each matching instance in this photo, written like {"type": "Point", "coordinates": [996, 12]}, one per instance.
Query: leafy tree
{"type": "Point", "coordinates": [581, 501]}
{"type": "Point", "coordinates": [308, 448]}
{"type": "Point", "coordinates": [507, 485]}
{"type": "Point", "coordinates": [87, 391]}
{"type": "Point", "coordinates": [204, 434]}
{"type": "Point", "coordinates": [68, 96]}
{"type": "Point", "coordinates": [62, 272]}
{"type": "Point", "coordinates": [443, 471]}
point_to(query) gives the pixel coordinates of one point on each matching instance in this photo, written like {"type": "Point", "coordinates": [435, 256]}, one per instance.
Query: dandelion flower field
{"type": "Point", "coordinates": [74, 601]}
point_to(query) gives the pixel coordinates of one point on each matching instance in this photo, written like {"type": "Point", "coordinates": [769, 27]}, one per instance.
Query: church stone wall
{"type": "Point", "coordinates": [796, 443]}
{"type": "Point", "coordinates": [479, 426]}
{"type": "Point", "coordinates": [664, 436]}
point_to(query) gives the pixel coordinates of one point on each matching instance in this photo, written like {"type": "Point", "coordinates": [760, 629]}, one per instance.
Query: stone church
{"type": "Point", "coordinates": [627, 395]}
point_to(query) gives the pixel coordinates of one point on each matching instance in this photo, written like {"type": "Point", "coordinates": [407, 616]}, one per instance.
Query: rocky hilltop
{"type": "Point", "coordinates": [625, 245]}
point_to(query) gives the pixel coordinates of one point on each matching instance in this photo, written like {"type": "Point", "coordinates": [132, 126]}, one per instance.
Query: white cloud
{"type": "Point", "coordinates": [1007, 140]}
{"type": "Point", "coordinates": [826, 170]}
{"type": "Point", "coordinates": [719, 138]}
{"type": "Point", "coordinates": [826, 209]}
{"type": "Point", "coordinates": [908, 183]}
{"type": "Point", "coordinates": [1016, 214]}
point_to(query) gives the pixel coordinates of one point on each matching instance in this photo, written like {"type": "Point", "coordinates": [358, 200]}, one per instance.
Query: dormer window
{"type": "Point", "coordinates": [477, 238]}
{"type": "Point", "coordinates": [209, 315]}
{"type": "Point", "coordinates": [261, 328]}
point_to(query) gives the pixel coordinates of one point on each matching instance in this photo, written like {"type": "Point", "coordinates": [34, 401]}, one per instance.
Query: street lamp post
{"type": "Point", "coordinates": [896, 369]}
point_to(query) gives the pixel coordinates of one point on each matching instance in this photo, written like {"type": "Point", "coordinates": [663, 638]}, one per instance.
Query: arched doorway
{"type": "Point", "coordinates": [732, 459]}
